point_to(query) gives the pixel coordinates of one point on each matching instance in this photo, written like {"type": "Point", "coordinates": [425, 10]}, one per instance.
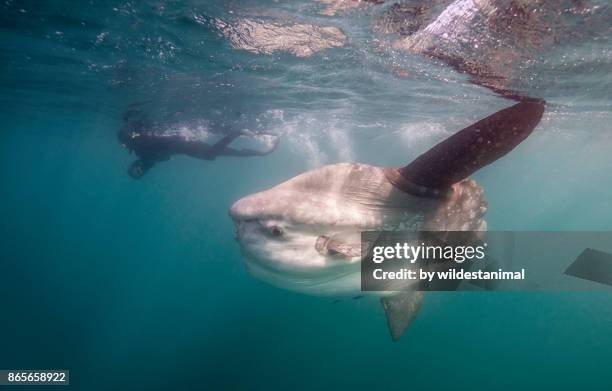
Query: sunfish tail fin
{"type": "Point", "coordinates": [472, 148]}
{"type": "Point", "coordinates": [400, 310]}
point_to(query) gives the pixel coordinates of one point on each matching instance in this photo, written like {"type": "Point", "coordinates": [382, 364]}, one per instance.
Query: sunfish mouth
{"type": "Point", "coordinates": [321, 283]}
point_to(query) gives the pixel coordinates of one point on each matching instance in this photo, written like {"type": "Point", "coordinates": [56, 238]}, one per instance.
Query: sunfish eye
{"type": "Point", "coordinates": [276, 231]}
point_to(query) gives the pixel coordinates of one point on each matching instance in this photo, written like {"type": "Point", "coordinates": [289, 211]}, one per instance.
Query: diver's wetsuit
{"type": "Point", "coordinates": [152, 148]}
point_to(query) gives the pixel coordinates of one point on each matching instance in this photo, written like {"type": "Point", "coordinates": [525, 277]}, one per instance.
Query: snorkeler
{"type": "Point", "coordinates": [152, 148]}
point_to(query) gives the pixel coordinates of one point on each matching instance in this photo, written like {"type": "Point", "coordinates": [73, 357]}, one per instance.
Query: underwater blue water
{"type": "Point", "coordinates": [140, 284]}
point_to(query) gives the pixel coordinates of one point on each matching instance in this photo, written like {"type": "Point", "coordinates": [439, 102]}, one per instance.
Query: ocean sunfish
{"type": "Point", "coordinates": [304, 234]}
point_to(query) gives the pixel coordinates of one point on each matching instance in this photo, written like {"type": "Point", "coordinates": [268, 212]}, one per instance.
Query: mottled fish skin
{"type": "Point", "coordinates": [407, 18]}
{"type": "Point", "coordinates": [510, 34]}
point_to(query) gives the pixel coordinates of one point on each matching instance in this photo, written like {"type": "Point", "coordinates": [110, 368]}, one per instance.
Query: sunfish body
{"type": "Point", "coordinates": [304, 234]}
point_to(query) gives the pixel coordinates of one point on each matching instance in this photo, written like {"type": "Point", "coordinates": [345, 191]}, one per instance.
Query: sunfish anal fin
{"type": "Point", "coordinates": [401, 309]}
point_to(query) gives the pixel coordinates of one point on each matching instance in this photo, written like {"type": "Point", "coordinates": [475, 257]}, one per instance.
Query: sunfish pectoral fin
{"type": "Point", "coordinates": [401, 309]}
{"type": "Point", "coordinates": [329, 246]}
{"type": "Point", "coordinates": [470, 149]}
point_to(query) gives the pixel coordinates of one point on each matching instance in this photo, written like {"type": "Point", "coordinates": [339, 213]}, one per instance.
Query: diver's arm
{"type": "Point", "coordinates": [249, 152]}
{"type": "Point", "coordinates": [244, 152]}
{"type": "Point", "coordinates": [205, 151]}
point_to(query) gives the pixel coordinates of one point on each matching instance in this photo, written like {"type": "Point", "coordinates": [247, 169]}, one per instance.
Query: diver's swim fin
{"type": "Point", "coordinates": [401, 309]}
{"type": "Point", "coordinates": [472, 148]}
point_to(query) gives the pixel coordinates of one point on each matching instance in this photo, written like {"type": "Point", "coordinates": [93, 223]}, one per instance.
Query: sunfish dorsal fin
{"type": "Point", "coordinates": [401, 309]}
{"type": "Point", "coordinates": [470, 149]}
